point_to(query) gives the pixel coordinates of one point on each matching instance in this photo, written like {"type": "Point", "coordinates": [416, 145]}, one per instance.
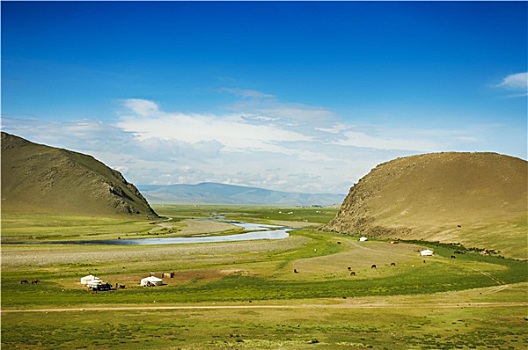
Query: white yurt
{"type": "Point", "coordinates": [94, 283]}
{"type": "Point", "coordinates": [426, 252]}
{"type": "Point", "coordinates": [90, 279]}
{"type": "Point", "coordinates": [153, 281]}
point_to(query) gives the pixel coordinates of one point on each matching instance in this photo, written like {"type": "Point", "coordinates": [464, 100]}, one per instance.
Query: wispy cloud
{"type": "Point", "coordinates": [141, 107]}
{"type": "Point", "coordinates": [274, 127]}
{"type": "Point", "coordinates": [517, 82]}
{"type": "Point", "coordinates": [258, 141]}
{"type": "Point", "coordinates": [246, 93]}
{"type": "Point", "coordinates": [294, 113]}
{"type": "Point", "coordinates": [234, 132]}
{"type": "Point", "coordinates": [361, 139]}
{"type": "Point", "coordinates": [304, 142]}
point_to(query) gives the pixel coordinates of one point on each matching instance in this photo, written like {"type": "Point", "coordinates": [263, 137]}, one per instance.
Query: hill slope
{"type": "Point", "coordinates": [39, 178]}
{"type": "Point", "coordinates": [477, 199]}
{"type": "Point", "coordinates": [217, 193]}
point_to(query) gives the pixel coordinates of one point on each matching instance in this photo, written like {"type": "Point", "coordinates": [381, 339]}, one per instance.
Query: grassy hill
{"type": "Point", "coordinates": [42, 179]}
{"type": "Point", "coordinates": [476, 199]}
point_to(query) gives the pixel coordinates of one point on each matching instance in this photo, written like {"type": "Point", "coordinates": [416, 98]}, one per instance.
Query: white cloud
{"type": "Point", "coordinates": [233, 132]}
{"type": "Point", "coordinates": [385, 142]}
{"type": "Point", "coordinates": [333, 129]}
{"type": "Point", "coordinates": [295, 114]}
{"type": "Point", "coordinates": [310, 148]}
{"type": "Point", "coordinates": [246, 93]}
{"type": "Point", "coordinates": [242, 145]}
{"type": "Point", "coordinates": [257, 141]}
{"type": "Point", "coordinates": [268, 106]}
{"type": "Point", "coordinates": [517, 82]}
{"type": "Point", "coordinates": [141, 107]}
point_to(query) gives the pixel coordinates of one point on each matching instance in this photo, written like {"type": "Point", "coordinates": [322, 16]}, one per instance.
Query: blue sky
{"type": "Point", "coordinates": [296, 96]}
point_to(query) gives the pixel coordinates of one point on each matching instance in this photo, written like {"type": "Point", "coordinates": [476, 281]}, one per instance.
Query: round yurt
{"type": "Point", "coordinates": [90, 279]}
{"type": "Point", "coordinates": [427, 252]}
{"type": "Point", "coordinates": [151, 281]}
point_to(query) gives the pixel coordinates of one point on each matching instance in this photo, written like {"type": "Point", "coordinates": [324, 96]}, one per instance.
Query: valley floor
{"type": "Point", "coordinates": [312, 289]}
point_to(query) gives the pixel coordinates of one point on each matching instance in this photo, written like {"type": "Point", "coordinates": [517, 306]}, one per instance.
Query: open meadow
{"type": "Point", "coordinates": [313, 289]}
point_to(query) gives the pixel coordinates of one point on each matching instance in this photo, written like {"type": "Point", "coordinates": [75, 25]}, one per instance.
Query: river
{"type": "Point", "coordinates": [256, 232]}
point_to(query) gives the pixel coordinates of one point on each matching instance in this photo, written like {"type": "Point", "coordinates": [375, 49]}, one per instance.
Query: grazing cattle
{"type": "Point", "coordinates": [295, 271]}
{"type": "Point", "coordinates": [24, 282]}
{"type": "Point", "coordinates": [167, 275]}
{"type": "Point", "coordinates": [352, 273]}
{"type": "Point", "coordinates": [35, 281]}
{"type": "Point", "coordinates": [393, 264]}
{"type": "Point", "coordinates": [453, 257]}
{"type": "Point", "coordinates": [122, 286]}
{"type": "Point", "coordinates": [349, 268]}
{"type": "Point", "coordinates": [373, 267]}
{"type": "Point", "coordinates": [338, 242]}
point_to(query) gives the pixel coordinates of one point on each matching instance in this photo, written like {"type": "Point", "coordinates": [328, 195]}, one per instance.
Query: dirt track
{"type": "Point", "coordinates": [303, 306]}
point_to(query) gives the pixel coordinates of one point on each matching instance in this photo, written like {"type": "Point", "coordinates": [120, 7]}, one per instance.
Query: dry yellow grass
{"type": "Point", "coordinates": [478, 199]}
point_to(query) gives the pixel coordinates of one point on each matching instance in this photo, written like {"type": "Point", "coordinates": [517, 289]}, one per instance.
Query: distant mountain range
{"type": "Point", "coordinates": [218, 193]}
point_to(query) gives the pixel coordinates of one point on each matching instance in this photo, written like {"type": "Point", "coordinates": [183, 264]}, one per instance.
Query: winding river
{"type": "Point", "coordinates": [256, 232]}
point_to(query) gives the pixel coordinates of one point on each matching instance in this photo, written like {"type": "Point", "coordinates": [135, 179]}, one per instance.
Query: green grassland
{"type": "Point", "coordinates": [39, 227]}
{"type": "Point", "coordinates": [246, 295]}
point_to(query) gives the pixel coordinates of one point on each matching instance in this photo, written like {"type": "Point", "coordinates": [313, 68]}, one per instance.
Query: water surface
{"type": "Point", "coordinates": [257, 231]}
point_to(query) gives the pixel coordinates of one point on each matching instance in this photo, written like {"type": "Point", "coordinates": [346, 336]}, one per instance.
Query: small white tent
{"type": "Point", "coordinates": [426, 252]}
{"type": "Point", "coordinates": [90, 279]}
{"type": "Point", "coordinates": [153, 281]}
{"type": "Point", "coordinates": [363, 239]}
{"type": "Point", "coordinates": [94, 283]}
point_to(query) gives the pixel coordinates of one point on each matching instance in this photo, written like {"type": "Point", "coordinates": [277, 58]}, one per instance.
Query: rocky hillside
{"type": "Point", "coordinates": [477, 199]}
{"type": "Point", "coordinates": [41, 179]}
